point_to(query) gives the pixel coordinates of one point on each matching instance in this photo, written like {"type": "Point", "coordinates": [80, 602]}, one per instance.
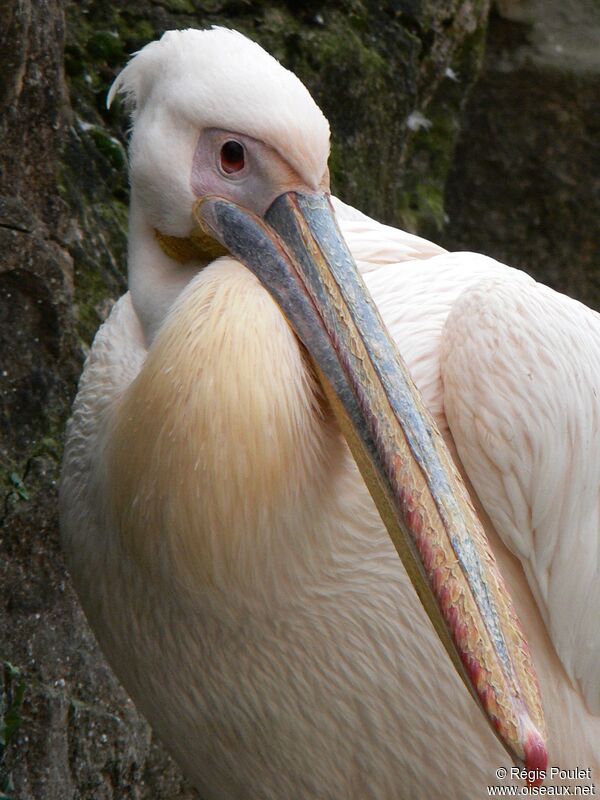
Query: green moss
{"type": "Point", "coordinates": [99, 260]}
{"type": "Point", "coordinates": [93, 179]}
{"type": "Point", "coordinates": [179, 6]}
{"type": "Point", "coordinates": [110, 148]}
{"type": "Point", "coordinates": [136, 33]}
{"type": "Point", "coordinates": [17, 483]}
{"type": "Point", "coordinates": [11, 701]}
{"type": "Point", "coordinates": [14, 689]}
{"type": "Point", "coordinates": [100, 38]}
{"type": "Point", "coordinates": [74, 62]}
{"type": "Point", "coordinates": [19, 489]}
{"type": "Point", "coordinates": [106, 46]}
{"type": "Point", "coordinates": [430, 149]}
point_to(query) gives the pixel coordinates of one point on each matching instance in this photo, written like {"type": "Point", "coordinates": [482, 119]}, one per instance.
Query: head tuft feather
{"type": "Point", "coordinates": [220, 78]}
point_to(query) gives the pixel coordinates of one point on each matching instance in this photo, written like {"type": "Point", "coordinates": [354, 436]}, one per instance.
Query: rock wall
{"type": "Point", "coordinates": [392, 77]}
{"type": "Point", "coordinates": [525, 183]}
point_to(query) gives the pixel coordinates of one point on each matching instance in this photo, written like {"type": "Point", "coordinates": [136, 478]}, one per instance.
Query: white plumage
{"type": "Point", "coordinates": [223, 544]}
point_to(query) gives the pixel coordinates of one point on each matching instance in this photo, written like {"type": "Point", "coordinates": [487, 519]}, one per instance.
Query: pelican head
{"type": "Point", "coordinates": [229, 151]}
{"type": "Point", "coordinates": [191, 92]}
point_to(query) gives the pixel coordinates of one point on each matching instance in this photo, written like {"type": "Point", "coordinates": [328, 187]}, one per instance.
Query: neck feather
{"type": "Point", "coordinates": [155, 278]}
{"type": "Point", "coordinates": [222, 449]}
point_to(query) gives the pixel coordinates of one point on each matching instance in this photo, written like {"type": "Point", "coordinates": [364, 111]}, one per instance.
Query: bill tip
{"type": "Point", "coordinates": [536, 756]}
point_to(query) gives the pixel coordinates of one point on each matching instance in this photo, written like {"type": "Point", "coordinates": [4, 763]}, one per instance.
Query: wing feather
{"type": "Point", "coordinates": [375, 245]}
{"type": "Point", "coordinates": [521, 374]}
{"type": "Point", "coordinates": [116, 357]}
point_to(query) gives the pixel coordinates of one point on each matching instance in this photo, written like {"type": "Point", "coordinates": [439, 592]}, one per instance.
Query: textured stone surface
{"type": "Point", "coordinates": [380, 70]}
{"type": "Point", "coordinates": [525, 185]}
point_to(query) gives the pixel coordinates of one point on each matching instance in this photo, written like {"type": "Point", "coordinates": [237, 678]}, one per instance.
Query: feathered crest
{"type": "Point", "coordinates": [134, 80]}
{"type": "Point", "coordinates": [220, 78]}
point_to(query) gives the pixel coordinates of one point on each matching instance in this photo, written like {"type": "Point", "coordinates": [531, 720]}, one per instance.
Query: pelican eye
{"type": "Point", "coordinates": [232, 157]}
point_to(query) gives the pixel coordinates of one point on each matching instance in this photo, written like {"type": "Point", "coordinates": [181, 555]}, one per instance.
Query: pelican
{"type": "Point", "coordinates": [248, 455]}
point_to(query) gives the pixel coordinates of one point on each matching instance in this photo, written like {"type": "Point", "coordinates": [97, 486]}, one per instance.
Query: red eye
{"type": "Point", "coordinates": [232, 157]}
